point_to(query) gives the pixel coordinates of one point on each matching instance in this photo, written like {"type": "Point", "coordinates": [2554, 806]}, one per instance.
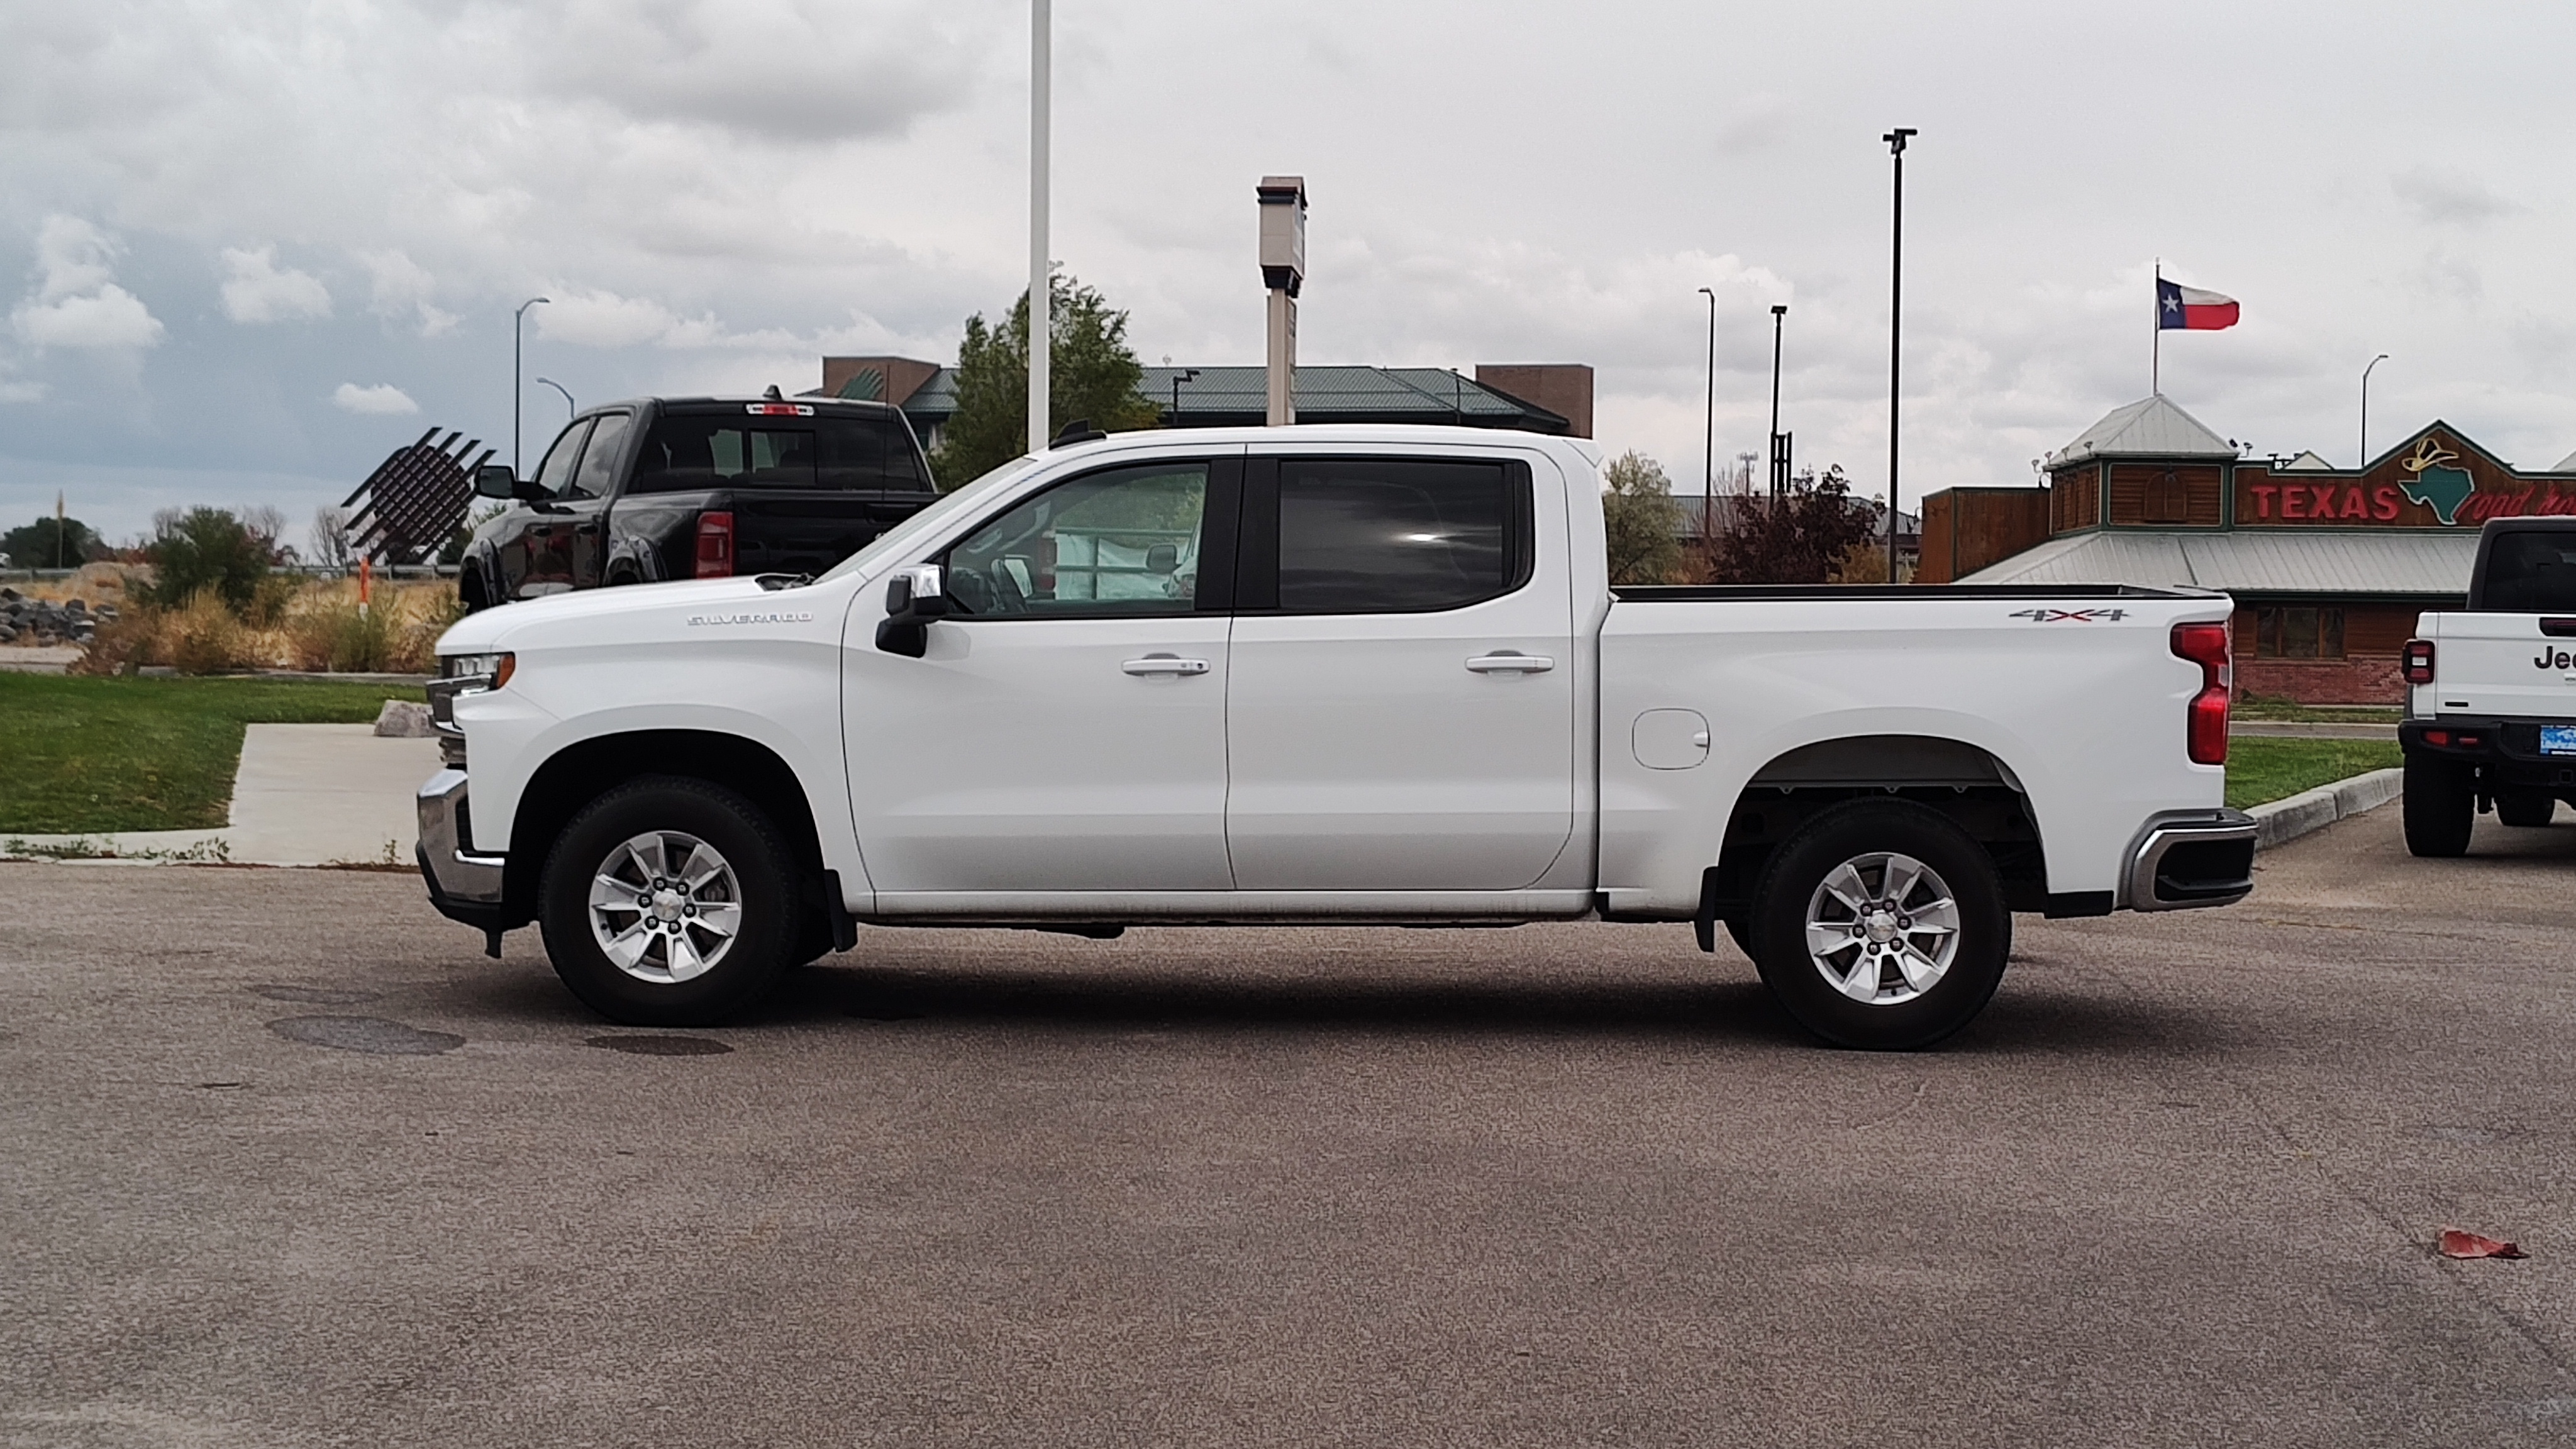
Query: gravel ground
{"type": "Point", "coordinates": [287, 1162]}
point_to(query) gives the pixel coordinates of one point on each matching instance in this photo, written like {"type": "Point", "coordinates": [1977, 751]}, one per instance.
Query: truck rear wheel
{"type": "Point", "coordinates": [2527, 809]}
{"type": "Point", "coordinates": [670, 902]}
{"type": "Point", "coordinates": [1881, 925]}
{"type": "Point", "coordinates": [2441, 806]}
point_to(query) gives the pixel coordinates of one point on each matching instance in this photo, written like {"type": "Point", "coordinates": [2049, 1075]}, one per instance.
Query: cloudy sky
{"type": "Point", "coordinates": [254, 246]}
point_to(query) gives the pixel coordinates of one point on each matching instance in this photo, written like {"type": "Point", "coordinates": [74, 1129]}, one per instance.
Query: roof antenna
{"type": "Point", "coordinates": [771, 393]}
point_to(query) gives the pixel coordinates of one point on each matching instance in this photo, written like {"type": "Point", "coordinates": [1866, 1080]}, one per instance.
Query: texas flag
{"type": "Point", "coordinates": [2191, 309]}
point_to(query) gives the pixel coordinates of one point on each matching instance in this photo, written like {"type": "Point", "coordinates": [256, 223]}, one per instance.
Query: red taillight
{"type": "Point", "coordinates": [2419, 661]}
{"type": "Point", "coordinates": [2206, 646]}
{"type": "Point", "coordinates": [2437, 737]}
{"type": "Point", "coordinates": [715, 545]}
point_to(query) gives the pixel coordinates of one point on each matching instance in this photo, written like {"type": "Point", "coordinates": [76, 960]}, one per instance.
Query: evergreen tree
{"type": "Point", "coordinates": [40, 546]}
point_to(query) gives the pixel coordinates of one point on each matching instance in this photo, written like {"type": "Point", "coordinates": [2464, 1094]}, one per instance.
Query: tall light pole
{"type": "Point", "coordinates": [1041, 284]}
{"type": "Point", "coordinates": [1708, 469]}
{"type": "Point", "coordinates": [1779, 454]}
{"type": "Point", "coordinates": [570, 407]}
{"type": "Point", "coordinates": [1895, 317]}
{"type": "Point", "coordinates": [516, 319]}
{"type": "Point", "coordinates": [2365, 410]}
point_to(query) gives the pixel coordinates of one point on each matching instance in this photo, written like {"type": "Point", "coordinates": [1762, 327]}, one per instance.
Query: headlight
{"type": "Point", "coordinates": [492, 669]}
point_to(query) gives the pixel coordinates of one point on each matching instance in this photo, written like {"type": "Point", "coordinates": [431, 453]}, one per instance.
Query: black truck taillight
{"type": "Point", "coordinates": [715, 545]}
{"type": "Point", "coordinates": [2419, 661]}
{"type": "Point", "coordinates": [2206, 646]}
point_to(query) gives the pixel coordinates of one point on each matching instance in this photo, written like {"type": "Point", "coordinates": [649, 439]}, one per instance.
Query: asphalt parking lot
{"type": "Point", "coordinates": [287, 1161]}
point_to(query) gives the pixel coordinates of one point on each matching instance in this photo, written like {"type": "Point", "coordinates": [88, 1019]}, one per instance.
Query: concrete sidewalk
{"type": "Point", "coordinates": [305, 794]}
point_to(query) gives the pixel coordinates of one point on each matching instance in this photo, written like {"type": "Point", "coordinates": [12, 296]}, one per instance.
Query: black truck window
{"type": "Point", "coordinates": [687, 453]}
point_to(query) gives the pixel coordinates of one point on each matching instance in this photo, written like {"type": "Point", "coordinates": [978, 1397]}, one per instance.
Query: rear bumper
{"type": "Point", "coordinates": [2505, 750]}
{"type": "Point", "coordinates": [2189, 859]}
{"type": "Point", "coordinates": [462, 885]}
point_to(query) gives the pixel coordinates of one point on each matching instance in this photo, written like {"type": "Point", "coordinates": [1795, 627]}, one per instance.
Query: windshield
{"type": "Point", "coordinates": [902, 534]}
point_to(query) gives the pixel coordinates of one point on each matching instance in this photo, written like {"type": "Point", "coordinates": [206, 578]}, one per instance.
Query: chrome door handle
{"type": "Point", "coordinates": [1165, 664]}
{"type": "Point", "coordinates": [1507, 662]}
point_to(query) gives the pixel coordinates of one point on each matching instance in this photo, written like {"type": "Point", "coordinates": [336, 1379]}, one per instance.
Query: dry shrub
{"type": "Point", "coordinates": [395, 632]}
{"type": "Point", "coordinates": [125, 643]}
{"type": "Point", "coordinates": [270, 599]}
{"type": "Point", "coordinates": [205, 638]}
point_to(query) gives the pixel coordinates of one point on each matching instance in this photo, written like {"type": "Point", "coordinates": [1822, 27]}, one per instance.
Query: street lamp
{"type": "Point", "coordinates": [516, 319]}
{"type": "Point", "coordinates": [569, 407]}
{"type": "Point", "coordinates": [1182, 375]}
{"type": "Point", "coordinates": [1779, 450]}
{"type": "Point", "coordinates": [1895, 316]}
{"type": "Point", "coordinates": [2365, 410]}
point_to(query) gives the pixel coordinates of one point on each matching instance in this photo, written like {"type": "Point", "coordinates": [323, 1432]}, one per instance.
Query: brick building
{"type": "Point", "coordinates": [2328, 566]}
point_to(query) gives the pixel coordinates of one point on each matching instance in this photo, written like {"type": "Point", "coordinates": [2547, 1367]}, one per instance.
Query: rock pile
{"type": "Point", "coordinates": [40, 622]}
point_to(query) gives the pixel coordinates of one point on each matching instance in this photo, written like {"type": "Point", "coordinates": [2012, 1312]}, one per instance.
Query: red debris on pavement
{"type": "Point", "coordinates": [2457, 1244]}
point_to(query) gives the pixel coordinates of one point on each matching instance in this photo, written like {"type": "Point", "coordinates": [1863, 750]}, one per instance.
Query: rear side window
{"type": "Point", "coordinates": [1386, 536]}
{"type": "Point", "coordinates": [2531, 572]}
{"type": "Point", "coordinates": [690, 452]}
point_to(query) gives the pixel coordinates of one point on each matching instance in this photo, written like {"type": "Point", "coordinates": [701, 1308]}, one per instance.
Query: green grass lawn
{"type": "Point", "coordinates": [2263, 707]}
{"type": "Point", "coordinates": [2260, 770]}
{"type": "Point", "coordinates": [86, 755]}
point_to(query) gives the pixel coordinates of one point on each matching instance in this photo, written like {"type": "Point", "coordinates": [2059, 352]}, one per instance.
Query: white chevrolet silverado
{"type": "Point", "coordinates": [1321, 675]}
{"type": "Point", "coordinates": [2491, 691]}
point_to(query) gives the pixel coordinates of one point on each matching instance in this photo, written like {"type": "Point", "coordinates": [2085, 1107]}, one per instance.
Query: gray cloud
{"type": "Point", "coordinates": [2449, 198]}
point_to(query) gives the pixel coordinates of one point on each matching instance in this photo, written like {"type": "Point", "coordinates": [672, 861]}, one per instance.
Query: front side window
{"type": "Point", "coordinates": [1381, 536]}
{"type": "Point", "coordinates": [1112, 544]}
{"type": "Point", "coordinates": [596, 474]}
{"type": "Point", "coordinates": [688, 453]}
{"type": "Point", "coordinates": [554, 475]}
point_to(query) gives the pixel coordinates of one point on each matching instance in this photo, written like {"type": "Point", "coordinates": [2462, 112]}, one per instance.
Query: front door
{"type": "Point", "coordinates": [1065, 729]}
{"type": "Point", "coordinates": [1403, 695]}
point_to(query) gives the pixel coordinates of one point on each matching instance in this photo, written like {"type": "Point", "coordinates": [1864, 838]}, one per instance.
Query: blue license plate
{"type": "Point", "coordinates": [2558, 739]}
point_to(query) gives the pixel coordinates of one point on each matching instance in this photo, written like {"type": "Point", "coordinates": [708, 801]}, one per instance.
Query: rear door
{"type": "Point", "coordinates": [1401, 713]}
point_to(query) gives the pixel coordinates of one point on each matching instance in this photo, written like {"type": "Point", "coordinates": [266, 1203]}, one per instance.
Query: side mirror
{"type": "Point", "coordinates": [495, 480]}
{"type": "Point", "coordinates": [1162, 558]}
{"type": "Point", "coordinates": [914, 597]}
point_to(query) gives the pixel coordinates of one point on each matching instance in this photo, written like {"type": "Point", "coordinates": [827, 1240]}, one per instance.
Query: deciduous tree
{"type": "Point", "coordinates": [1642, 522]}
{"type": "Point", "coordinates": [1092, 374]}
{"type": "Point", "coordinates": [1800, 537]}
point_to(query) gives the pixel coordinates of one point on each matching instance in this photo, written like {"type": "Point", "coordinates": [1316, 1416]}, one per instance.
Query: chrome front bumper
{"type": "Point", "coordinates": [456, 875]}
{"type": "Point", "coordinates": [2190, 859]}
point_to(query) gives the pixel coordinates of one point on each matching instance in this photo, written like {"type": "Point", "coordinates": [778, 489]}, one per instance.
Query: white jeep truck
{"type": "Point", "coordinates": [1321, 675]}
{"type": "Point", "coordinates": [2491, 691]}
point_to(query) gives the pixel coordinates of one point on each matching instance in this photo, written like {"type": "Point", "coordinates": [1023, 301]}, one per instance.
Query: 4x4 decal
{"type": "Point", "coordinates": [2075, 616]}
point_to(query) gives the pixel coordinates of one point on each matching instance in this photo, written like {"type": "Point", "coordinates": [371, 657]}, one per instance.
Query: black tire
{"type": "Point", "coordinates": [1860, 832]}
{"type": "Point", "coordinates": [761, 884]}
{"type": "Point", "coordinates": [471, 595]}
{"type": "Point", "coordinates": [2526, 809]}
{"type": "Point", "coordinates": [2441, 806]}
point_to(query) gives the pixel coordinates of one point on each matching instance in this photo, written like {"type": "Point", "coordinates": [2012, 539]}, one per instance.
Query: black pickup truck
{"type": "Point", "coordinates": [693, 488]}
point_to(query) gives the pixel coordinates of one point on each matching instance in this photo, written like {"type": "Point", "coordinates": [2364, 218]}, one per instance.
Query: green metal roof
{"type": "Point", "coordinates": [1223, 396]}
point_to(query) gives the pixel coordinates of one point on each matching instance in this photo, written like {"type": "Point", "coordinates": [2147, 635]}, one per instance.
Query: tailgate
{"type": "Point", "coordinates": [2502, 664]}
{"type": "Point", "coordinates": [805, 531]}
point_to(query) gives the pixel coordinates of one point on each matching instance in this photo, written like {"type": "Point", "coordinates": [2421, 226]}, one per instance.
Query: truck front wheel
{"type": "Point", "coordinates": [670, 902]}
{"type": "Point", "coordinates": [1881, 925]}
{"type": "Point", "coordinates": [2441, 806]}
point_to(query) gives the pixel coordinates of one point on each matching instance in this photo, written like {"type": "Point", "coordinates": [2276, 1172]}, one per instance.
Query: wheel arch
{"type": "Point", "coordinates": [583, 771]}
{"type": "Point", "coordinates": [1966, 783]}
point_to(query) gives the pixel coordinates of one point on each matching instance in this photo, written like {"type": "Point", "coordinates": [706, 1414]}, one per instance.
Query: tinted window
{"type": "Point", "coordinates": [599, 460]}
{"type": "Point", "coordinates": [1373, 536]}
{"type": "Point", "coordinates": [2531, 572]}
{"type": "Point", "coordinates": [685, 453]}
{"type": "Point", "coordinates": [1120, 542]}
{"type": "Point", "coordinates": [554, 475]}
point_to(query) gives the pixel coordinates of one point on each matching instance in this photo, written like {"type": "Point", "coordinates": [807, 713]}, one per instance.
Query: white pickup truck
{"type": "Point", "coordinates": [2491, 691]}
{"type": "Point", "coordinates": [1321, 675]}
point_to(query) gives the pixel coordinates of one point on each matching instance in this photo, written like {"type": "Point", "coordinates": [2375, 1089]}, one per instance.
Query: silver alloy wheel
{"type": "Point", "coordinates": [1882, 928]}
{"type": "Point", "coordinates": [665, 907]}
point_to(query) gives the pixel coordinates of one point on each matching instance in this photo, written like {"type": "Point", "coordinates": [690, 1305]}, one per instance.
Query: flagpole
{"type": "Point", "coordinates": [2156, 322]}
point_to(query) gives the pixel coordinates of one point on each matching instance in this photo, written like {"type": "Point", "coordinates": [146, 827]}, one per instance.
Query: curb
{"type": "Point", "coordinates": [2282, 821]}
